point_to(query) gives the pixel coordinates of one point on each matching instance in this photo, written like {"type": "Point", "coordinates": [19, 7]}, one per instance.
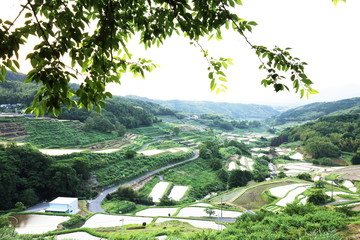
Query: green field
{"type": "Point", "coordinates": [51, 133]}
{"type": "Point", "coordinates": [251, 197]}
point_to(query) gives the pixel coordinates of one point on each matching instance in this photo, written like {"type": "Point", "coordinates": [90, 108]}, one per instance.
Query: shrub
{"type": "Point", "coordinates": [166, 201]}
{"type": "Point", "coordinates": [356, 159]}
{"type": "Point", "coordinates": [318, 197]}
{"type": "Point", "coordinates": [304, 176]}
{"type": "Point", "coordinates": [74, 222]}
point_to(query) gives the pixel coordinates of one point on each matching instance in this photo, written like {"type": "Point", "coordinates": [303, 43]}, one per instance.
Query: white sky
{"type": "Point", "coordinates": [321, 34]}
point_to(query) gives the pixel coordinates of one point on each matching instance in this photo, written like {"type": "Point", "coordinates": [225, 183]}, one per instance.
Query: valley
{"type": "Point", "coordinates": [177, 177]}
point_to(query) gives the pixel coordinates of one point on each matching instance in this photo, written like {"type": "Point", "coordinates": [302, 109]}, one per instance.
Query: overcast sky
{"type": "Point", "coordinates": [325, 36]}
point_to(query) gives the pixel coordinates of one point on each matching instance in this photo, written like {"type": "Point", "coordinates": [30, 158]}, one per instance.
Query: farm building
{"type": "Point", "coordinates": [63, 205]}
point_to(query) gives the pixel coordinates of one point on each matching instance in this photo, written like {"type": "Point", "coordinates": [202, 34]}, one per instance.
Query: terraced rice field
{"type": "Point", "coordinates": [273, 208]}
{"type": "Point", "coordinates": [55, 152]}
{"type": "Point", "coordinates": [348, 184]}
{"type": "Point", "coordinates": [77, 236]}
{"type": "Point", "coordinates": [195, 223]}
{"type": "Point", "coordinates": [103, 220]}
{"type": "Point", "coordinates": [330, 193]}
{"type": "Point", "coordinates": [293, 169]}
{"type": "Point", "coordinates": [232, 166]}
{"type": "Point", "coordinates": [248, 162]}
{"type": "Point", "coordinates": [200, 212]}
{"type": "Point", "coordinates": [252, 198]}
{"type": "Point", "coordinates": [158, 191]}
{"type": "Point", "coordinates": [157, 151]}
{"type": "Point", "coordinates": [281, 191]}
{"type": "Point", "coordinates": [154, 212]}
{"type": "Point", "coordinates": [202, 204]}
{"type": "Point", "coordinates": [291, 196]}
{"type": "Point", "coordinates": [177, 192]}
{"type": "Point", "coordinates": [36, 224]}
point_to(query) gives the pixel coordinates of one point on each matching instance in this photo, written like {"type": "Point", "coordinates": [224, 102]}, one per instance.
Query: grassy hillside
{"type": "Point", "coordinates": [233, 110]}
{"type": "Point", "coordinates": [316, 110]}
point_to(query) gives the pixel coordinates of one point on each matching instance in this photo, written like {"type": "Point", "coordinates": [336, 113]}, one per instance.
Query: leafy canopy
{"type": "Point", "coordinates": [94, 35]}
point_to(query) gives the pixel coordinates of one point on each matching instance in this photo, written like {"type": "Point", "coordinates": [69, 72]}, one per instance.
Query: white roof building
{"type": "Point", "coordinates": [63, 205]}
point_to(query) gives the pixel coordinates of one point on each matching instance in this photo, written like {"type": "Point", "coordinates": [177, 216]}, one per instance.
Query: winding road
{"type": "Point", "coordinates": [95, 205]}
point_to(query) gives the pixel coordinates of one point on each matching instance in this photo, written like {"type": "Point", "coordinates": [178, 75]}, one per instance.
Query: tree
{"type": "Point", "coordinates": [317, 197]}
{"type": "Point", "coordinates": [166, 201]}
{"type": "Point", "coordinates": [176, 131]}
{"type": "Point", "coordinates": [355, 160]}
{"type": "Point", "coordinates": [19, 206]}
{"type": "Point", "coordinates": [210, 211]}
{"type": "Point", "coordinates": [319, 184]}
{"type": "Point", "coordinates": [281, 174]}
{"type": "Point", "coordinates": [304, 176]}
{"type": "Point", "coordinates": [239, 178]}
{"type": "Point", "coordinates": [321, 147]}
{"type": "Point", "coordinates": [98, 122]}
{"type": "Point", "coordinates": [121, 129]}
{"type": "Point", "coordinates": [223, 175]}
{"type": "Point", "coordinates": [66, 48]}
{"type": "Point", "coordinates": [130, 153]}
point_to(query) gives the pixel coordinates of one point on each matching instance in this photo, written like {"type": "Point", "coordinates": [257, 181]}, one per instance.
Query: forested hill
{"type": "Point", "coordinates": [128, 112]}
{"type": "Point", "coordinates": [327, 136]}
{"type": "Point", "coordinates": [315, 110]}
{"type": "Point", "coordinates": [13, 90]}
{"type": "Point", "coordinates": [234, 110]}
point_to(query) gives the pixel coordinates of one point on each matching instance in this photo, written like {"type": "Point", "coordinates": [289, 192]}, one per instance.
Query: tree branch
{"type": "Point", "coordinates": [13, 22]}
{"type": "Point", "coordinates": [41, 28]}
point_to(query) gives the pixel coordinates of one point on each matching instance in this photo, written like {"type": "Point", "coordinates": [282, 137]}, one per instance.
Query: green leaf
{"type": "Point", "coordinates": [222, 79]}
{"type": "Point", "coordinates": [232, 4]}
{"type": "Point", "coordinates": [307, 81]}
{"type": "Point", "coordinates": [3, 73]}
{"type": "Point", "coordinates": [211, 75]}
{"type": "Point", "coordinates": [56, 111]}
{"type": "Point", "coordinates": [302, 75]}
{"type": "Point", "coordinates": [312, 91]}
{"type": "Point", "coordinates": [337, 1]}
{"type": "Point", "coordinates": [212, 85]}
{"type": "Point", "coordinates": [302, 91]}
{"type": "Point", "coordinates": [278, 87]}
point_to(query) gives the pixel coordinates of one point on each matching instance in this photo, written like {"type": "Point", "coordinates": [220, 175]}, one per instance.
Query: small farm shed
{"type": "Point", "coordinates": [63, 205]}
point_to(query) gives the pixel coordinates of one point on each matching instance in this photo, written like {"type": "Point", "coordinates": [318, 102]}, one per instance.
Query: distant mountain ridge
{"type": "Point", "coordinates": [234, 110]}
{"type": "Point", "coordinates": [316, 110]}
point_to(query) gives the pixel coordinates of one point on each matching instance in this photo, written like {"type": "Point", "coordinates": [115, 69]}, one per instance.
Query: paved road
{"type": "Point", "coordinates": [38, 207]}
{"type": "Point", "coordinates": [95, 205]}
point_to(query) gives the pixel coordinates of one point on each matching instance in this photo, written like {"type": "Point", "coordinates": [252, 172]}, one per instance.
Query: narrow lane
{"type": "Point", "coordinates": [95, 205]}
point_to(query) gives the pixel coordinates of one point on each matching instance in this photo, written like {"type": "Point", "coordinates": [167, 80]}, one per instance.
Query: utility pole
{"type": "Point", "coordinates": [221, 211]}
{"type": "Point", "coordinates": [122, 226]}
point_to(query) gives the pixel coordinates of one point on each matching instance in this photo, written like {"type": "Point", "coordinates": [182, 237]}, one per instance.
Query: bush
{"type": "Point", "coordinates": [318, 197]}
{"type": "Point", "coordinates": [130, 154]}
{"type": "Point", "coordinates": [126, 206]}
{"type": "Point", "coordinates": [356, 159]}
{"type": "Point", "coordinates": [74, 222]}
{"type": "Point", "coordinates": [295, 222]}
{"type": "Point", "coordinates": [166, 201]}
{"type": "Point", "coordinates": [129, 194]}
{"type": "Point", "coordinates": [304, 176]}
